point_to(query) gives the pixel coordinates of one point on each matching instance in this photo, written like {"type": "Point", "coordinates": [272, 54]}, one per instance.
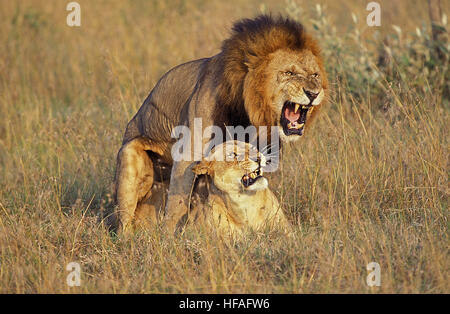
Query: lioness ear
{"type": "Point", "coordinates": [203, 167]}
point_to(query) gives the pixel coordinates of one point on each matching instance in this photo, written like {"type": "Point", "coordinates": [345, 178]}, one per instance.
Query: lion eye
{"type": "Point", "coordinates": [315, 75]}
{"type": "Point", "coordinates": [289, 73]}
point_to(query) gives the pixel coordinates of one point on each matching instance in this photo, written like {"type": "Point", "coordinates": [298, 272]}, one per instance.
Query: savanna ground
{"type": "Point", "coordinates": [368, 183]}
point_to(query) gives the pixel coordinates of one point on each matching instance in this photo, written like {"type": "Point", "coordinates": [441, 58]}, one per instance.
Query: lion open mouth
{"type": "Point", "coordinates": [293, 118]}
{"type": "Point", "coordinates": [250, 178]}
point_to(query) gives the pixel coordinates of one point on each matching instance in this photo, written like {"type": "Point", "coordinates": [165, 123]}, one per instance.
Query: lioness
{"type": "Point", "coordinates": [268, 73]}
{"type": "Point", "coordinates": [239, 197]}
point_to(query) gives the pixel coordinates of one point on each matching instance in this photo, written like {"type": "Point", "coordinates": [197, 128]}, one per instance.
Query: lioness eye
{"type": "Point", "coordinates": [315, 75]}
{"type": "Point", "coordinates": [288, 73]}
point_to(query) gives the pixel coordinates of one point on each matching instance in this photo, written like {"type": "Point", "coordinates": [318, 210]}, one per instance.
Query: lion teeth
{"type": "Point", "coordinates": [304, 107]}
{"type": "Point", "coordinates": [295, 125]}
{"type": "Point", "coordinates": [252, 175]}
{"type": "Point", "coordinates": [296, 108]}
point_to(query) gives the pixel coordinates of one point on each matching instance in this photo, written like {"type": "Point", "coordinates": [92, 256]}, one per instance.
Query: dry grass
{"type": "Point", "coordinates": [368, 183]}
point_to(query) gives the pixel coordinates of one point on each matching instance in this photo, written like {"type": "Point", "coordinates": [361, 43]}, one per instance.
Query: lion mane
{"type": "Point", "coordinates": [249, 46]}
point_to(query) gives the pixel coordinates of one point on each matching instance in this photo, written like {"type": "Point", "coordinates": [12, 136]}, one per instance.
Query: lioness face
{"type": "Point", "coordinates": [235, 167]}
{"type": "Point", "coordinates": [296, 83]}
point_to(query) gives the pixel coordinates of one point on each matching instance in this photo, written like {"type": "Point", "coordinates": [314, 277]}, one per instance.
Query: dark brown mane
{"type": "Point", "coordinates": [250, 42]}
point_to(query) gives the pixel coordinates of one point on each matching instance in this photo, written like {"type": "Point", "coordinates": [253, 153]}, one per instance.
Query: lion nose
{"type": "Point", "coordinates": [310, 95]}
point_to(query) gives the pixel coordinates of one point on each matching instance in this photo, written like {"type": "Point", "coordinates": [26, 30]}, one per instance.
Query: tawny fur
{"type": "Point", "coordinates": [242, 85]}
{"type": "Point", "coordinates": [232, 207]}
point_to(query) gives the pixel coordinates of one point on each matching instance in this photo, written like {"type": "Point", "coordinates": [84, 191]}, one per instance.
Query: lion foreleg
{"type": "Point", "coordinates": [181, 182]}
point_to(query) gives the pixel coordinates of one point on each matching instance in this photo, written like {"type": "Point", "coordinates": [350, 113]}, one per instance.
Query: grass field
{"type": "Point", "coordinates": [368, 183]}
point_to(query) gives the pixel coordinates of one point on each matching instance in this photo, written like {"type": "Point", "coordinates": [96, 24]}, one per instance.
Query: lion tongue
{"type": "Point", "coordinates": [291, 115]}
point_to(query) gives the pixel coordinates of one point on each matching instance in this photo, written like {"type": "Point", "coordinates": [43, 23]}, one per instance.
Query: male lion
{"type": "Point", "coordinates": [268, 73]}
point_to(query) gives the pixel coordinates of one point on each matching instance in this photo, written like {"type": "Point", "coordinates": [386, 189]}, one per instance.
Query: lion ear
{"type": "Point", "coordinates": [203, 167]}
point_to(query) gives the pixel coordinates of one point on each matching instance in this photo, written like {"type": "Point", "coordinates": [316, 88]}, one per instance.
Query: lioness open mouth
{"type": "Point", "coordinates": [293, 118]}
{"type": "Point", "coordinates": [252, 177]}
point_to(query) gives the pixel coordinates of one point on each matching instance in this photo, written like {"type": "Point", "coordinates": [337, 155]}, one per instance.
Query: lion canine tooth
{"type": "Point", "coordinates": [252, 175]}
{"type": "Point", "coordinates": [296, 108]}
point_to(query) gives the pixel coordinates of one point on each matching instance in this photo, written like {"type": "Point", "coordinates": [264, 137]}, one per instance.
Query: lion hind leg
{"type": "Point", "coordinates": [134, 179]}
{"type": "Point", "coordinates": [150, 211]}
